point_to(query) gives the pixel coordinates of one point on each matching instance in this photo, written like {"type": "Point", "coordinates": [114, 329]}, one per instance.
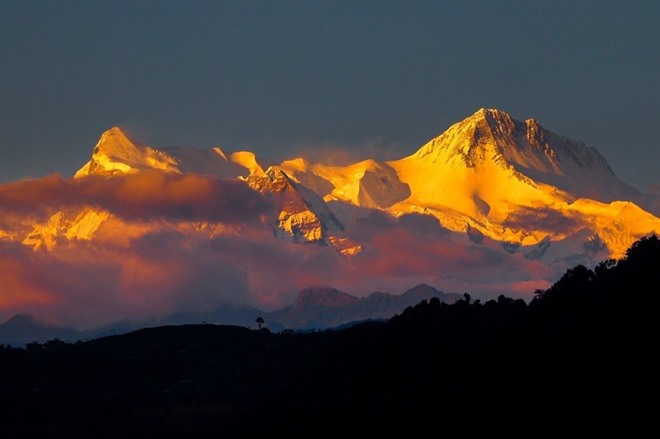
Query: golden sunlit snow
{"type": "Point", "coordinates": [509, 181]}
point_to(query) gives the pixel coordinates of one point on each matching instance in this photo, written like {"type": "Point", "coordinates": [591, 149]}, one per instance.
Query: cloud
{"type": "Point", "coordinates": [192, 244]}
{"type": "Point", "coordinates": [399, 253]}
{"type": "Point", "coordinates": [338, 154]}
{"type": "Point", "coordinates": [542, 219]}
{"type": "Point", "coordinates": [88, 283]}
{"type": "Point", "coordinates": [169, 268]}
{"type": "Point", "coordinates": [147, 195]}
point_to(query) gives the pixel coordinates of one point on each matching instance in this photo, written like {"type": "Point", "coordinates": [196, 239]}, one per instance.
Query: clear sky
{"type": "Point", "coordinates": [373, 78]}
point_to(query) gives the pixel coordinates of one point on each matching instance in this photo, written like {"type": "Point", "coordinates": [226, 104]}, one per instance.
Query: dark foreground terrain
{"type": "Point", "coordinates": [579, 360]}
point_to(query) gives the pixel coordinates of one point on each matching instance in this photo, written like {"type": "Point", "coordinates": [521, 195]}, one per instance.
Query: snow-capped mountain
{"type": "Point", "coordinates": [491, 142]}
{"type": "Point", "coordinates": [492, 203]}
{"type": "Point", "coordinates": [510, 179]}
{"type": "Point", "coordinates": [116, 154]}
{"type": "Point", "coordinates": [488, 175]}
{"type": "Point", "coordinates": [494, 176]}
{"type": "Point", "coordinates": [480, 174]}
{"type": "Point", "coordinates": [303, 217]}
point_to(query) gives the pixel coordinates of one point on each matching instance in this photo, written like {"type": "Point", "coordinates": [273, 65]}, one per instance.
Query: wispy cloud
{"type": "Point", "coordinates": [338, 154]}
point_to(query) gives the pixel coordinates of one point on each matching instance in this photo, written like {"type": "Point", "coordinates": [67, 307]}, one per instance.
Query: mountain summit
{"type": "Point", "coordinates": [488, 175]}
{"type": "Point", "coordinates": [116, 154]}
{"type": "Point", "coordinates": [493, 157]}
{"type": "Point", "coordinates": [492, 204]}
{"type": "Point", "coordinates": [531, 151]}
{"type": "Point", "coordinates": [511, 181]}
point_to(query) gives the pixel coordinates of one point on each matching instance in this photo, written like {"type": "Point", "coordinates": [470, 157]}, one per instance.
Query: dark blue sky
{"type": "Point", "coordinates": [376, 78]}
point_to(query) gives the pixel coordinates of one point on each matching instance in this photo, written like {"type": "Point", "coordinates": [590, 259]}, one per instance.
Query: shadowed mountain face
{"type": "Point", "coordinates": [492, 205]}
{"type": "Point", "coordinates": [319, 308]}
{"type": "Point", "coordinates": [574, 360]}
{"type": "Point", "coordinates": [23, 328]}
{"type": "Point", "coordinates": [314, 309]}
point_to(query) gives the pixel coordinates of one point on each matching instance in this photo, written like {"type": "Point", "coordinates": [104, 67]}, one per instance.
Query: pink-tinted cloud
{"type": "Point", "coordinates": [190, 197]}
{"type": "Point", "coordinates": [148, 260]}
{"type": "Point", "coordinates": [86, 284]}
{"type": "Point", "coordinates": [542, 219]}
{"type": "Point", "coordinates": [415, 248]}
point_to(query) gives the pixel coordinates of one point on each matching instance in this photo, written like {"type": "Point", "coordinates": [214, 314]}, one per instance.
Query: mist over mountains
{"type": "Point", "coordinates": [314, 309]}
{"type": "Point", "coordinates": [491, 206]}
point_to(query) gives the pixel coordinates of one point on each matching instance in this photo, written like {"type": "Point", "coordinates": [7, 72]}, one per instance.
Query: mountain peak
{"type": "Point", "coordinates": [465, 142]}
{"type": "Point", "coordinates": [116, 154]}
{"type": "Point", "coordinates": [114, 131]}
{"type": "Point", "coordinates": [492, 135]}
{"type": "Point", "coordinates": [115, 142]}
{"type": "Point", "coordinates": [490, 112]}
{"type": "Point", "coordinates": [493, 117]}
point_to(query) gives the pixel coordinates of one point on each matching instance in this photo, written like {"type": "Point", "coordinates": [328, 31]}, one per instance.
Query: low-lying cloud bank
{"type": "Point", "coordinates": [191, 243]}
{"type": "Point", "coordinates": [186, 197]}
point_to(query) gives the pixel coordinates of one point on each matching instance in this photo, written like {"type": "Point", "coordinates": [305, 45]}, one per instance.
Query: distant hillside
{"type": "Point", "coordinates": [320, 308]}
{"type": "Point", "coordinates": [314, 309]}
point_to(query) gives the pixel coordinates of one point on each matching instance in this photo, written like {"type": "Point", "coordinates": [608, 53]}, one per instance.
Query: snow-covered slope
{"type": "Point", "coordinates": [65, 224]}
{"type": "Point", "coordinates": [116, 154]}
{"type": "Point", "coordinates": [368, 183]}
{"type": "Point", "coordinates": [488, 176]}
{"type": "Point", "coordinates": [491, 175]}
{"type": "Point", "coordinates": [518, 183]}
{"type": "Point", "coordinates": [490, 142]}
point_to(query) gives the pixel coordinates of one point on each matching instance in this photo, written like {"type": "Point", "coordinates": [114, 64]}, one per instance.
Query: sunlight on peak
{"type": "Point", "coordinates": [247, 160]}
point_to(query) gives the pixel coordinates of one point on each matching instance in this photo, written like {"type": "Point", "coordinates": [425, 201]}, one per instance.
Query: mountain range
{"type": "Point", "coordinates": [315, 308]}
{"type": "Point", "coordinates": [487, 174]}
{"type": "Point", "coordinates": [492, 205]}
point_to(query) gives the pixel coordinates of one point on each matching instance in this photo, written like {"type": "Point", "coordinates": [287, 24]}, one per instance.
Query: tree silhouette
{"type": "Point", "coordinates": [260, 322]}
